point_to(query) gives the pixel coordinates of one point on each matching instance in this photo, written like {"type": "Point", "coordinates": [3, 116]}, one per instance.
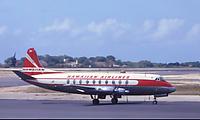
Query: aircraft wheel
{"type": "Point", "coordinates": [155, 102]}
{"type": "Point", "coordinates": [114, 100]}
{"type": "Point", "coordinates": [95, 102]}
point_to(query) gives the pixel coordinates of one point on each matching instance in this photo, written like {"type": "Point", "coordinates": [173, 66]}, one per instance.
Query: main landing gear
{"type": "Point", "coordinates": [155, 101]}
{"type": "Point", "coordinates": [95, 101]}
{"type": "Point", "coordinates": [95, 98]}
{"type": "Point", "coordinates": [114, 100]}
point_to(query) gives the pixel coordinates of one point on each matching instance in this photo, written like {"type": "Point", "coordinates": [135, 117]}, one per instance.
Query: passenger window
{"type": "Point", "coordinates": [93, 81]}
{"type": "Point", "coordinates": [113, 82]}
{"type": "Point", "coordinates": [67, 81]}
{"type": "Point", "coordinates": [80, 81]}
{"type": "Point", "coordinates": [99, 81]}
{"type": "Point", "coordinates": [74, 82]}
{"type": "Point", "coordinates": [120, 82]}
{"type": "Point", "coordinates": [126, 82]}
{"type": "Point", "coordinates": [87, 82]}
{"type": "Point", "coordinates": [106, 81]}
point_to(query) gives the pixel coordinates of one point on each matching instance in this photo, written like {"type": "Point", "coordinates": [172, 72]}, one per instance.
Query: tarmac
{"type": "Point", "coordinates": [84, 109]}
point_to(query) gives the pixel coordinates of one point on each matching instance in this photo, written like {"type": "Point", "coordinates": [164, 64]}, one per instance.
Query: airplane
{"type": "Point", "coordinates": [96, 84]}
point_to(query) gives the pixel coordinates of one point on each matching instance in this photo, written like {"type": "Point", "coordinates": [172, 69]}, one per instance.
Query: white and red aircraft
{"type": "Point", "coordinates": [97, 85]}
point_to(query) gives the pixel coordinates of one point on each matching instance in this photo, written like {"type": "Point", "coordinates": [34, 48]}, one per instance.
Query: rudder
{"type": "Point", "coordinates": [31, 60]}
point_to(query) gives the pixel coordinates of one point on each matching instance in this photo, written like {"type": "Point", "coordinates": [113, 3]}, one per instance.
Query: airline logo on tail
{"type": "Point", "coordinates": [32, 65]}
{"type": "Point", "coordinates": [31, 60]}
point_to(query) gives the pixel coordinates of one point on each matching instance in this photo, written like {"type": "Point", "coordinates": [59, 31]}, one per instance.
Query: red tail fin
{"type": "Point", "coordinates": [31, 59]}
{"type": "Point", "coordinates": [32, 66]}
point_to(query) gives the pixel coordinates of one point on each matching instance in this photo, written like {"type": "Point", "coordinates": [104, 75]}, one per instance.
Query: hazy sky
{"type": "Point", "coordinates": [155, 30]}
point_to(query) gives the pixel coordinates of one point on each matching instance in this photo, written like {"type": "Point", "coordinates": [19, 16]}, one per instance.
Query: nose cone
{"type": "Point", "coordinates": [172, 89]}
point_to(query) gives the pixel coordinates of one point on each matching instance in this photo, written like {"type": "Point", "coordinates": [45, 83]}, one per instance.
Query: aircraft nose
{"type": "Point", "coordinates": [171, 89]}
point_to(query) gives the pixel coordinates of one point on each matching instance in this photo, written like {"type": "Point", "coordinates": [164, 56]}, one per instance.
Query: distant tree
{"type": "Point", "coordinates": [20, 62]}
{"type": "Point", "coordinates": [92, 62]}
{"type": "Point", "coordinates": [191, 64]}
{"type": "Point", "coordinates": [92, 59]}
{"type": "Point", "coordinates": [119, 62]}
{"type": "Point", "coordinates": [100, 59]}
{"type": "Point", "coordinates": [51, 60]}
{"type": "Point", "coordinates": [69, 59]}
{"type": "Point", "coordinates": [110, 58]}
{"type": "Point", "coordinates": [82, 59]}
{"type": "Point", "coordinates": [145, 63]}
{"type": "Point", "coordinates": [159, 65]}
{"type": "Point", "coordinates": [11, 61]}
{"type": "Point", "coordinates": [84, 62]}
{"type": "Point", "coordinates": [176, 64]}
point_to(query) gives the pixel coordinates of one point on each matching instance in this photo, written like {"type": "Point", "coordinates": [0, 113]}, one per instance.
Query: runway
{"type": "Point", "coordinates": [84, 109]}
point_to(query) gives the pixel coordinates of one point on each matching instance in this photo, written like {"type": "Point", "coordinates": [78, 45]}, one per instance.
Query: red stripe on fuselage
{"type": "Point", "coordinates": [153, 83]}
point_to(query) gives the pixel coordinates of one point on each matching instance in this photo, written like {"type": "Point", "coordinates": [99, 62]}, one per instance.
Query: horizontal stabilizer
{"type": "Point", "coordinates": [23, 76]}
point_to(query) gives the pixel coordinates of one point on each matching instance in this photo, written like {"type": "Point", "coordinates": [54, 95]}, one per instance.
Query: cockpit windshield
{"type": "Point", "coordinates": [160, 79]}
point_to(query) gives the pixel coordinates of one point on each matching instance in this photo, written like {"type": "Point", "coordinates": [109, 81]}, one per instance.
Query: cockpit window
{"type": "Point", "coordinates": [160, 79]}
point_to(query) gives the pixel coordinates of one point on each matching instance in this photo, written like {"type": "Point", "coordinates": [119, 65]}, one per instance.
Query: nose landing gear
{"type": "Point", "coordinates": [155, 101]}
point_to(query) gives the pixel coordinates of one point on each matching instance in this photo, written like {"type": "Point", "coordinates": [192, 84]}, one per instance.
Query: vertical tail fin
{"type": "Point", "coordinates": [32, 66]}
{"type": "Point", "coordinates": [31, 60]}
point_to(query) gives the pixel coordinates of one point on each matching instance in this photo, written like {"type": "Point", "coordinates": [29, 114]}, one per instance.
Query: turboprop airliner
{"type": "Point", "coordinates": [97, 84]}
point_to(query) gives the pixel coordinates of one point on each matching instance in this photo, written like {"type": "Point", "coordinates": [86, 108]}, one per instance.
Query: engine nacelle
{"type": "Point", "coordinates": [121, 90]}
{"type": "Point", "coordinates": [105, 89]}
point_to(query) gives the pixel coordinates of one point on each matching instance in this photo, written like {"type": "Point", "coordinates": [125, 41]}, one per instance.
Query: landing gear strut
{"type": "Point", "coordinates": [155, 101]}
{"type": "Point", "coordinates": [95, 100]}
{"type": "Point", "coordinates": [114, 100]}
